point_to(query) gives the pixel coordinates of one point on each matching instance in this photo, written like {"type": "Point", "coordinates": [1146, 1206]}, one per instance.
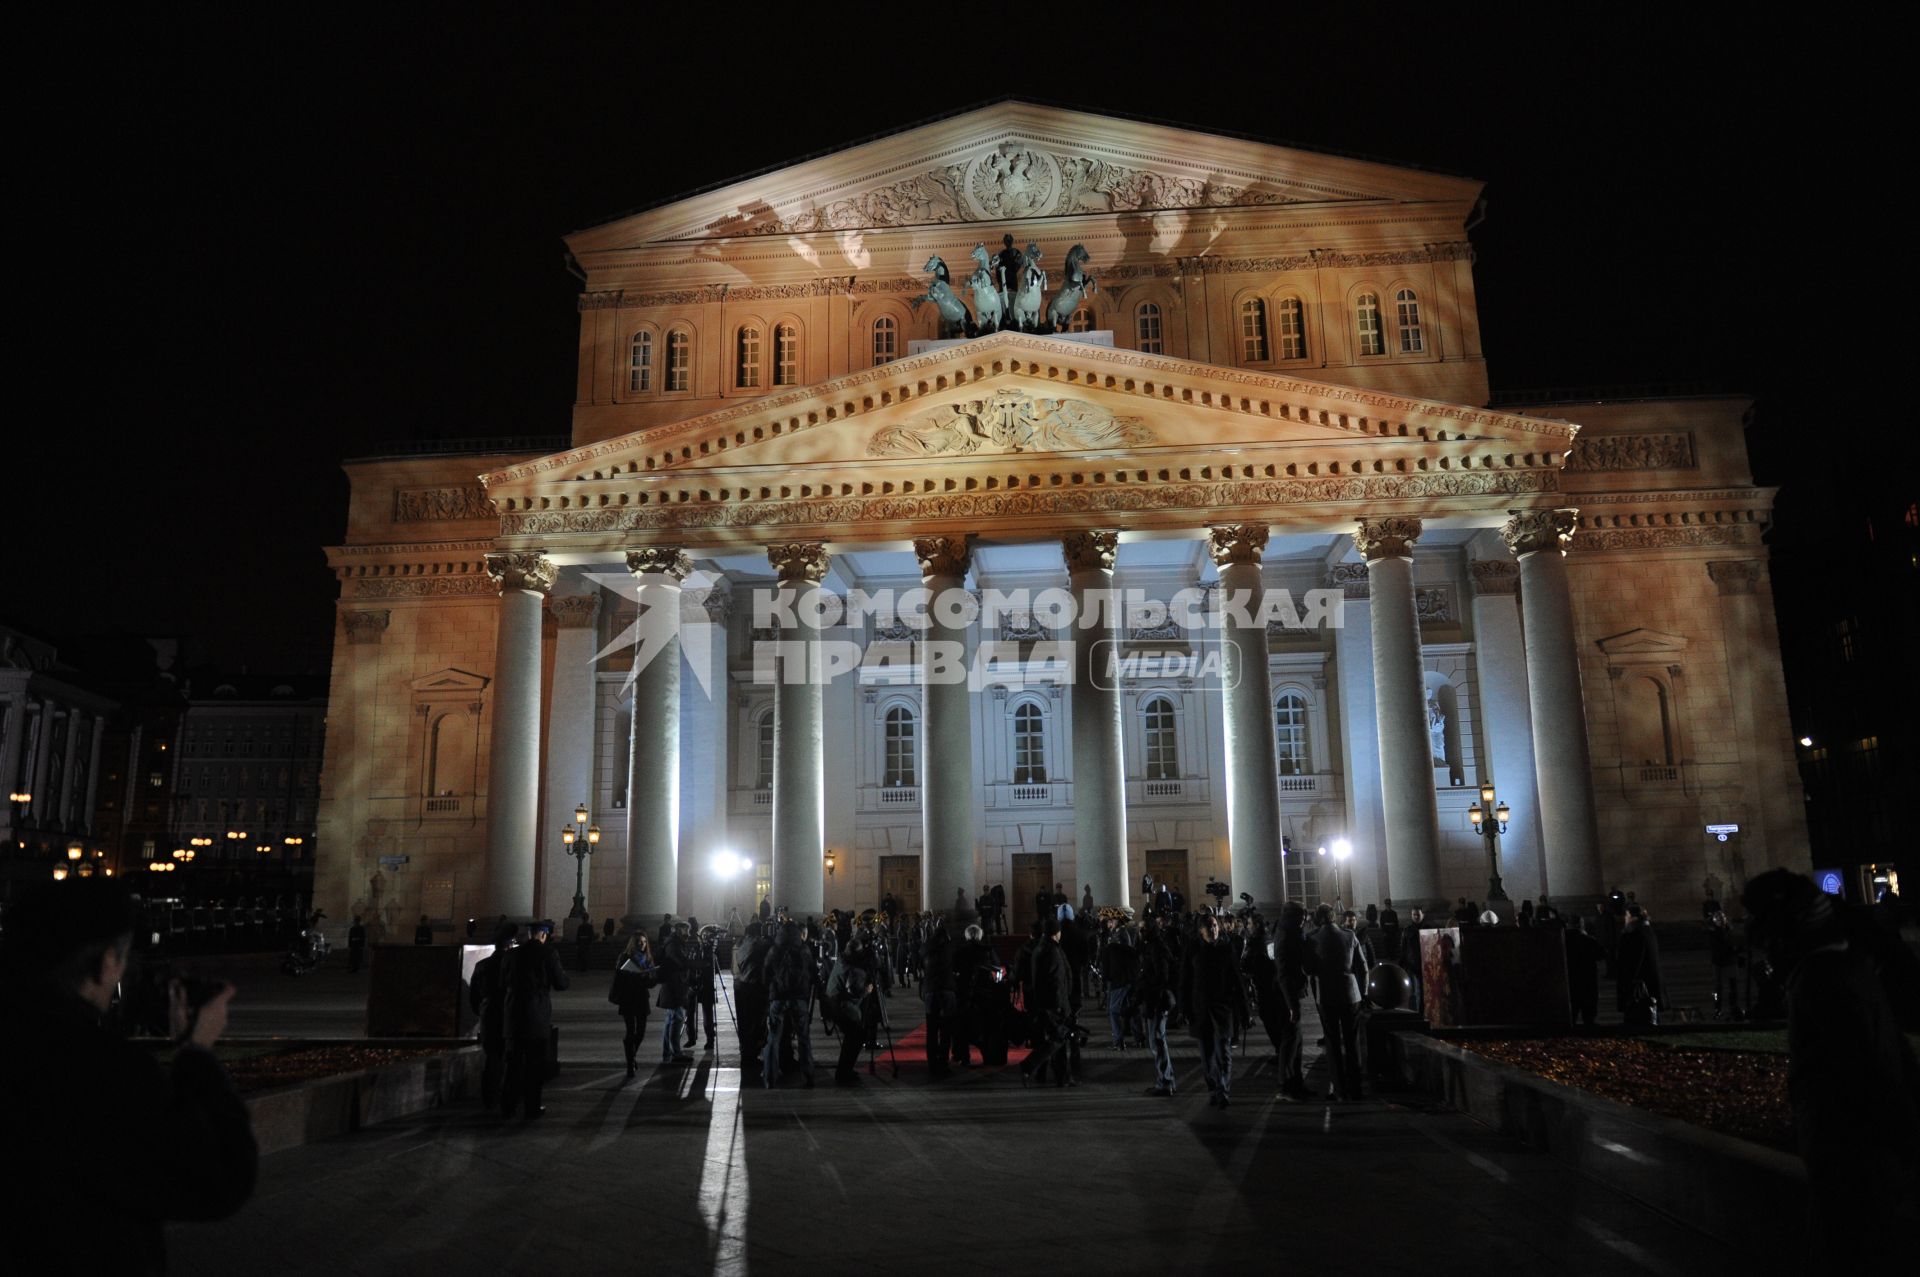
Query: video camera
{"type": "Point", "coordinates": [1218, 890]}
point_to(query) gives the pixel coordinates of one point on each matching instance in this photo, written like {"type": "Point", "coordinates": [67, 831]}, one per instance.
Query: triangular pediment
{"type": "Point", "coordinates": [449, 680]}
{"type": "Point", "coordinates": [1642, 642]}
{"type": "Point", "coordinates": [1014, 393]}
{"type": "Point", "coordinates": [1016, 161]}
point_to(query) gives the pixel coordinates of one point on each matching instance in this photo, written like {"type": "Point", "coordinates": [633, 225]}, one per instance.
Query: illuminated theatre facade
{"type": "Point", "coordinates": [1278, 385]}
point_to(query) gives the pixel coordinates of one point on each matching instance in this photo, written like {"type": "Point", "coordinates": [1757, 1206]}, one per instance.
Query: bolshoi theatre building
{"type": "Point", "coordinates": [1265, 378]}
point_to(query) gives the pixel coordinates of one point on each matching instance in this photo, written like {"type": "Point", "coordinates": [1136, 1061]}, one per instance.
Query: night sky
{"type": "Point", "coordinates": [259, 245]}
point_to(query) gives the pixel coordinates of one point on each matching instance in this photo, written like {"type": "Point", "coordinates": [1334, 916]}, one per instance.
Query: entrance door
{"type": "Point", "coordinates": [901, 876]}
{"type": "Point", "coordinates": [1032, 874]}
{"type": "Point", "coordinates": [1170, 867]}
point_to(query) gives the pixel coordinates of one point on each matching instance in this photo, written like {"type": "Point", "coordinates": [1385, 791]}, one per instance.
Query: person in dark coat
{"type": "Point", "coordinates": [356, 945]}
{"type": "Point", "coordinates": [1411, 959]}
{"type": "Point", "coordinates": [1215, 994]}
{"type": "Point", "coordinates": [790, 979]}
{"type": "Point", "coordinates": [1290, 983]}
{"type": "Point", "coordinates": [999, 909]}
{"type": "Point", "coordinates": [1636, 963]}
{"type": "Point", "coordinates": [701, 989]}
{"type": "Point", "coordinates": [1049, 1006]}
{"type": "Point", "coordinates": [1120, 967]}
{"type": "Point", "coordinates": [533, 973]}
{"type": "Point", "coordinates": [87, 1107]}
{"type": "Point", "coordinates": [939, 994]}
{"type": "Point", "coordinates": [423, 934]}
{"type": "Point", "coordinates": [1725, 956]}
{"type": "Point", "coordinates": [583, 945]}
{"type": "Point", "coordinates": [750, 992]}
{"type": "Point", "coordinates": [675, 960]}
{"type": "Point", "coordinates": [1340, 971]}
{"type": "Point", "coordinates": [487, 995]}
{"type": "Point", "coordinates": [973, 965]}
{"type": "Point", "coordinates": [1584, 956]}
{"type": "Point", "coordinates": [849, 987]}
{"type": "Point", "coordinates": [632, 993]}
{"type": "Point", "coordinates": [1154, 995]}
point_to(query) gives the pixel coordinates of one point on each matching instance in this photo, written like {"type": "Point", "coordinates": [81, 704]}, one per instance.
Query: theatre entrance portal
{"type": "Point", "coordinates": [1032, 874]}
{"type": "Point", "coordinates": [900, 877]}
{"type": "Point", "coordinates": [1170, 867]}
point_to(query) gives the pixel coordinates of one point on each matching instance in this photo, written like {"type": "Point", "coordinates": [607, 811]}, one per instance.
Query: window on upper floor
{"type": "Point", "coordinates": [763, 773]}
{"type": "Point", "coordinates": [1407, 312]}
{"type": "Point", "coordinates": [899, 764]}
{"type": "Point", "coordinates": [1366, 317]}
{"type": "Point", "coordinates": [1253, 331]}
{"type": "Point", "coordinates": [1293, 329]}
{"type": "Point", "coordinates": [640, 363]}
{"type": "Point", "coordinates": [679, 360]}
{"type": "Point", "coordinates": [1082, 321]}
{"type": "Point", "coordinates": [1029, 745]}
{"type": "Point", "coordinates": [886, 340]}
{"type": "Point", "coordinates": [1290, 734]}
{"type": "Point", "coordinates": [1148, 335]}
{"type": "Point", "coordinates": [786, 355]}
{"type": "Point", "coordinates": [1162, 747]}
{"type": "Point", "coordinates": [746, 362]}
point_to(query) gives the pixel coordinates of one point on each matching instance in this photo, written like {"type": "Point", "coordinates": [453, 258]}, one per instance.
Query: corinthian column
{"type": "Point", "coordinates": [1400, 707]}
{"type": "Point", "coordinates": [1099, 762]}
{"type": "Point", "coordinates": [653, 778]}
{"type": "Point", "coordinates": [513, 758]}
{"type": "Point", "coordinates": [799, 775]}
{"type": "Point", "coordinates": [946, 764]}
{"type": "Point", "coordinates": [1253, 789]}
{"type": "Point", "coordinates": [570, 737]}
{"type": "Point", "coordinates": [1569, 837]}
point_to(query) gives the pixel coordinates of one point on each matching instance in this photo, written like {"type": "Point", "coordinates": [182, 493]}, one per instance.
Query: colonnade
{"type": "Point", "coordinates": [1537, 539]}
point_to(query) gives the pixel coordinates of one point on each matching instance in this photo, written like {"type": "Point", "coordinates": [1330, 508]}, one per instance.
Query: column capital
{"type": "Point", "coordinates": [1494, 576]}
{"type": "Point", "coordinates": [659, 560]}
{"type": "Point", "coordinates": [943, 555]}
{"type": "Point", "coordinates": [365, 627]}
{"type": "Point", "coordinates": [798, 562]}
{"type": "Point", "coordinates": [1389, 538]}
{"type": "Point", "coordinates": [1350, 579]}
{"type": "Point", "coordinates": [1231, 543]}
{"type": "Point", "coordinates": [574, 611]}
{"type": "Point", "coordinates": [521, 570]}
{"type": "Point", "coordinates": [1735, 576]}
{"type": "Point", "coordinates": [716, 601]}
{"type": "Point", "coordinates": [1526, 531]}
{"type": "Point", "coordinates": [1090, 551]}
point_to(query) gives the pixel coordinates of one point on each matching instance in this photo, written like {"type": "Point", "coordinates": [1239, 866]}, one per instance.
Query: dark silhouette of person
{"type": "Point", "coordinates": [356, 945]}
{"type": "Point", "coordinates": [533, 972]}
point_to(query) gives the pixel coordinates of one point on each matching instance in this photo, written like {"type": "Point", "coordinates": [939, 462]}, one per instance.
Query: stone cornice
{"type": "Point", "coordinates": [428, 570]}
{"type": "Point", "coordinates": [1339, 409]}
{"type": "Point", "coordinates": [1666, 538]}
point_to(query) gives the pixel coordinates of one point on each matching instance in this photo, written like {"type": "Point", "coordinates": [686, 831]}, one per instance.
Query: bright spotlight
{"type": "Point", "coordinates": [1342, 848]}
{"type": "Point", "coordinates": [726, 864]}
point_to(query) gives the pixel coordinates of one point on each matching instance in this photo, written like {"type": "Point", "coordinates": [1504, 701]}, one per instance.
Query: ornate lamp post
{"type": "Point", "coordinates": [1491, 831]}
{"type": "Point", "coordinates": [580, 839]}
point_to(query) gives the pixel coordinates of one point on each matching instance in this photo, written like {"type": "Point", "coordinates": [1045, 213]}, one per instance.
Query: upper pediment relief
{"type": "Point", "coordinates": [1643, 643]}
{"type": "Point", "coordinates": [1017, 162]}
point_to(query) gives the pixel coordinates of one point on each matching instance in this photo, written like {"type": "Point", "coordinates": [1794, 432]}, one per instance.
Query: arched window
{"type": "Point", "coordinates": [1290, 734]}
{"type": "Point", "coordinates": [1253, 331]}
{"type": "Point", "coordinates": [1366, 314]}
{"type": "Point", "coordinates": [1408, 308]}
{"type": "Point", "coordinates": [1082, 321]}
{"type": "Point", "coordinates": [763, 774]}
{"type": "Point", "coordinates": [679, 360]}
{"type": "Point", "coordinates": [886, 340]}
{"type": "Point", "coordinates": [1148, 335]}
{"type": "Point", "coordinates": [1163, 750]}
{"type": "Point", "coordinates": [1029, 745]}
{"type": "Point", "coordinates": [899, 760]}
{"type": "Point", "coordinates": [640, 363]}
{"type": "Point", "coordinates": [786, 355]}
{"type": "Point", "coordinates": [1293, 329]}
{"type": "Point", "coordinates": [746, 362]}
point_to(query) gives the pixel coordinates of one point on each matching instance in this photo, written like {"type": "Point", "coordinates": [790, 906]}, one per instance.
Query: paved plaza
{"type": "Point", "coordinates": [685, 1171]}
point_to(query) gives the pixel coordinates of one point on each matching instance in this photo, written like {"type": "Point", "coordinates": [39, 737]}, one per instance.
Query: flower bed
{"type": "Point", "coordinates": [1740, 1091]}
{"type": "Point", "coordinates": [265, 1070]}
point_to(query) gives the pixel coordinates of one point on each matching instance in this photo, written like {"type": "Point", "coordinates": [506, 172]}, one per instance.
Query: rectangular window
{"type": "Point", "coordinates": [1293, 334]}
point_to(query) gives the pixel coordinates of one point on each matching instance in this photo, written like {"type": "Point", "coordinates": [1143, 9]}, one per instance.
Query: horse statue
{"type": "Point", "coordinates": [1078, 287]}
{"type": "Point", "coordinates": [989, 305]}
{"type": "Point", "coordinates": [954, 319]}
{"type": "Point", "coordinates": [1025, 299]}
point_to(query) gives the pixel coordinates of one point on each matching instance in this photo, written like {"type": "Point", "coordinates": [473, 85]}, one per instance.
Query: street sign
{"type": "Point", "coordinates": [393, 862]}
{"type": "Point", "coordinates": [1721, 831]}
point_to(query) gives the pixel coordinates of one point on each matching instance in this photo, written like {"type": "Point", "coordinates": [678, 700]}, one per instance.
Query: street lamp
{"type": "Point", "coordinates": [579, 840]}
{"type": "Point", "coordinates": [829, 864]}
{"type": "Point", "coordinates": [1491, 831]}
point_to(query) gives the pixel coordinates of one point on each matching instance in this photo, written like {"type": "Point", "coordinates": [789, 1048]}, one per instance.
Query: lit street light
{"type": "Point", "coordinates": [579, 840]}
{"type": "Point", "coordinates": [1491, 831]}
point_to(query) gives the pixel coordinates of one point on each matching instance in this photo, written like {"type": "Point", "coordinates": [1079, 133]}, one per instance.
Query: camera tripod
{"type": "Point", "coordinates": [885, 1024]}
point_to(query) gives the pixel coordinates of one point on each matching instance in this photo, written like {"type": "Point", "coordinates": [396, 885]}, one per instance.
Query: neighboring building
{"type": "Point", "coordinates": [246, 773]}
{"type": "Point", "coordinates": [51, 737]}
{"type": "Point", "coordinates": [1279, 384]}
{"type": "Point", "coordinates": [135, 806]}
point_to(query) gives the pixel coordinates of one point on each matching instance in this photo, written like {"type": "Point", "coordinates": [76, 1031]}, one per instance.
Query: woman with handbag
{"type": "Point", "coordinates": [633, 980]}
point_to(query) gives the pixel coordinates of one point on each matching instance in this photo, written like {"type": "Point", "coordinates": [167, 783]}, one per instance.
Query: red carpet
{"type": "Point", "coordinates": [912, 1051]}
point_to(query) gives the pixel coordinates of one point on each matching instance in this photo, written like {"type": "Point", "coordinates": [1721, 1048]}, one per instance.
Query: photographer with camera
{"type": "Point", "coordinates": [849, 989]}
{"type": "Point", "coordinates": [791, 975]}
{"type": "Point", "coordinates": [1215, 994]}
{"type": "Point", "coordinates": [750, 988]}
{"type": "Point", "coordinates": [181, 1128]}
{"type": "Point", "coordinates": [1049, 1009]}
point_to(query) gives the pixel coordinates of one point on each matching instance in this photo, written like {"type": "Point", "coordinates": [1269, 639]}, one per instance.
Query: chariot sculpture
{"type": "Point", "coordinates": [1006, 290]}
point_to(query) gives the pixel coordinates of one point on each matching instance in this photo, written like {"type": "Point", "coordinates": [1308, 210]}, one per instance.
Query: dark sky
{"type": "Point", "coordinates": [261, 244]}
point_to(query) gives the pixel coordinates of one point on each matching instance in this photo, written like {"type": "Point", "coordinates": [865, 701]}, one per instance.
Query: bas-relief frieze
{"type": "Point", "coordinates": [1632, 452]}
{"type": "Point", "coordinates": [420, 587]}
{"type": "Point", "coordinates": [1011, 421]}
{"type": "Point", "coordinates": [987, 505]}
{"type": "Point", "coordinates": [1665, 538]}
{"type": "Point", "coordinates": [434, 505]}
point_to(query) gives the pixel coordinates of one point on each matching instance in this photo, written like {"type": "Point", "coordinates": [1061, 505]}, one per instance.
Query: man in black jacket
{"type": "Point", "coordinates": [1290, 980]}
{"type": "Point", "coordinates": [1215, 995]}
{"type": "Point", "coordinates": [1340, 971]}
{"type": "Point", "coordinates": [533, 972]}
{"type": "Point", "coordinates": [1410, 957]}
{"type": "Point", "coordinates": [1154, 995]}
{"type": "Point", "coordinates": [1636, 962]}
{"type": "Point", "coordinates": [487, 995]}
{"type": "Point", "coordinates": [791, 974]}
{"type": "Point", "coordinates": [676, 959]}
{"type": "Point", "coordinates": [750, 991]}
{"type": "Point", "coordinates": [1584, 956]}
{"type": "Point", "coordinates": [88, 1106]}
{"type": "Point", "coordinates": [356, 945]}
{"type": "Point", "coordinates": [1049, 992]}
